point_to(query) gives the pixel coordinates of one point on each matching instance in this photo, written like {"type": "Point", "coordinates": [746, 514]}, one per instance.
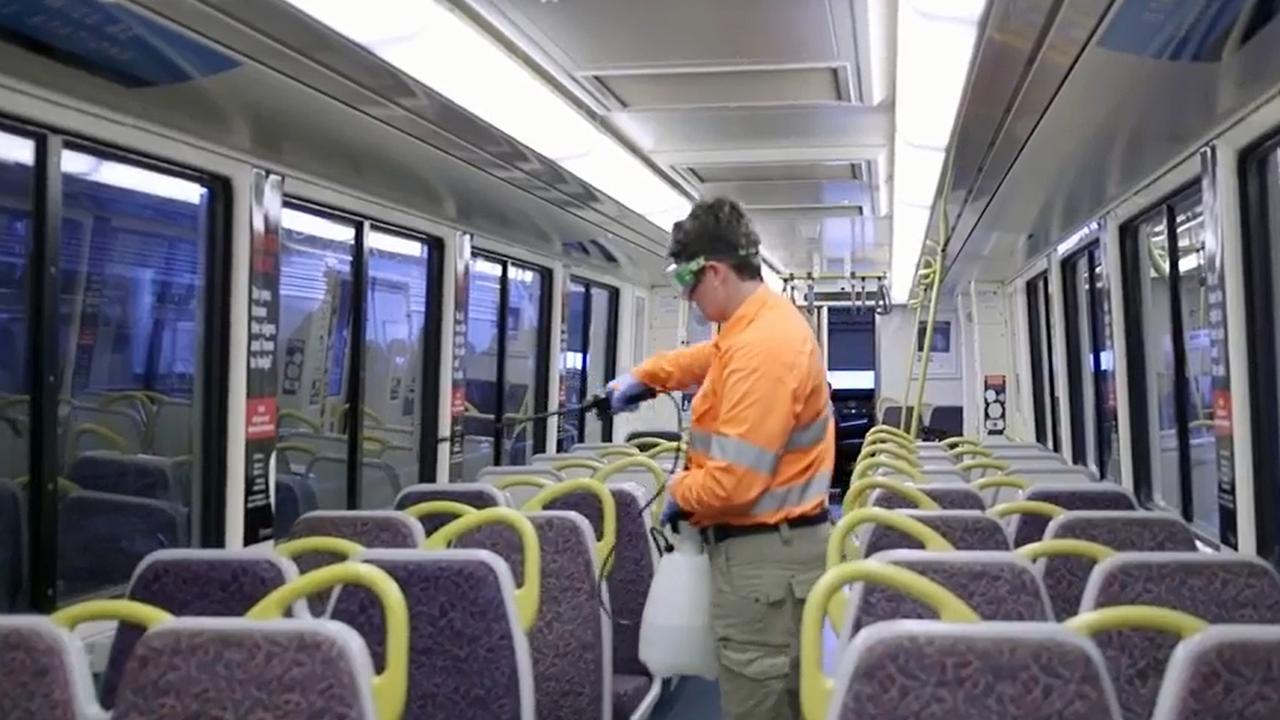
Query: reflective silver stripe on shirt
{"type": "Point", "coordinates": [796, 495]}
{"type": "Point", "coordinates": [807, 436]}
{"type": "Point", "coordinates": [743, 454]}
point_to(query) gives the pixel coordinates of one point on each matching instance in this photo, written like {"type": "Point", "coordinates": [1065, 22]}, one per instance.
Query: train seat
{"type": "Point", "coordinates": [1028, 528]}
{"type": "Point", "coordinates": [327, 476]}
{"type": "Point", "coordinates": [909, 669]}
{"type": "Point", "coordinates": [965, 530]}
{"type": "Point", "coordinates": [124, 430]}
{"type": "Point", "coordinates": [949, 496]}
{"type": "Point", "coordinates": [634, 689]}
{"type": "Point", "coordinates": [549, 460]}
{"type": "Point", "coordinates": [145, 476]}
{"type": "Point", "coordinates": [13, 542]}
{"type": "Point", "coordinates": [225, 667]}
{"type": "Point", "coordinates": [469, 658]}
{"type": "Point", "coordinates": [476, 495]}
{"type": "Point", "coordinates": [1042, 475]}
{"type": "Point", "coordinates": [570, 641]}
{"type": "Point", "coordinates": [1225, 672]}
{"type": "Point", "coordinates": [599, 449]}
{"type": "Point", "coordinates": [216, 583]}
{"type": "Point", "coordinates": [103, 536]}
{"type": "Point", "coordinates": [169, 432]}
{"type": "Point", "coordinates": [44, 672]}
{"type": "Point", "coordinates": [294, 498]}
{"type": "Point", "coordinates": [519, 496]}
{"type": "Point", "coordinates": [379, 484]}
{"type": "Point", "coordinates": [1217, 588]}
{"type": "Point", "coordinates": [997, 585]}
{"type": "Point", "coordinates": [370, 528]}
{"type": "Point", "coordinates": [1065, 577]}
{"type": "Point", "coordinates": [947, 420]}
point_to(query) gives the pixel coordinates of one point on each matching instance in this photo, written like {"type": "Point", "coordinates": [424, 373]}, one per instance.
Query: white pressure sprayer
{"type": "Point", "coordinates": [675, 630]}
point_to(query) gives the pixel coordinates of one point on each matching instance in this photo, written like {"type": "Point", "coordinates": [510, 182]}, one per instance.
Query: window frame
{"type": "Point", "coordinates": [611, 349]}
{"type": "Point", "coordinates": [1075, 303]}
{"type": "Point", "coordinates": [209, 519]}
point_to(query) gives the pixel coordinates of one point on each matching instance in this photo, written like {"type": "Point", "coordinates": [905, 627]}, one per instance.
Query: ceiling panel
{"type": "Point", "coordinates": [770, 86]}
{"type": "Point", "coordinates": [775, 172]}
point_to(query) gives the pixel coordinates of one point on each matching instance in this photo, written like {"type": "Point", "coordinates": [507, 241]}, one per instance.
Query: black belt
{"type": "Point", "coordinates": [720, 533]}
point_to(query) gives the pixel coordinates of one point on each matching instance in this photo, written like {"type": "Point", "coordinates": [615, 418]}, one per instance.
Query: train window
{"type": "Point", "coordinates": [317, 252]}
{"type": "Point", "coordinates": [397, 294]}
{"type": "Point", "coordinates": [1089, 362]}
{"type": "Point", "coordinates": [17, 161]}
{"type": "Point", "coordinates": [589, 359]}
{"type": "Point", "coordinates": [132, 283]}
{"type": "Point", "coordinates": [1044, 391]}
{"type": "Point", "coordinates": [1164, 265]}
{"type": "Point", "coordinates": [506, 363]}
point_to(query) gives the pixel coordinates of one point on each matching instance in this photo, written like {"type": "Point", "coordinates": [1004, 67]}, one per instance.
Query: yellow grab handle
{"type": "Point", "coordinates": [644, 444]}
{"type": "Point", "coordinates": [984, 464]}
{"type": "Point", "coordinates": [1136, 617]}
{"type": "Point", "coordinates": [974, 450]}
{"type": "Point", "coordinates": [999, 481]}
{"type": "Point", "coordinates": [884, 436]}
{"type": "Point", "coordinates": [609, 512]}
{"type": "Point", "coordinates": [891, 430]}
{"type": "Point", "coordinates": [319, 544]}
{"type": "Point", "coordinates": [506, 482]}
{"type": "Point", "coordinates": [95, 429]}
{"type": "Point", "coordinates": [438, 507]}
{"type": "Point", "coordinates": [618, 453]}
{"type": "Point", "coordinates": [298, 447]}
{"type": "Point", "coordinates": [843, 533]}
{"type": "Point", "coordinates": [892, 450]}
{"type": "Point", "coordinates": [959, 441]}
{"type": "Point", "coordinates": [864, 468]}
{"type": "Point", "coordinates": [311, 424]}
{"type": "Point", "coordinates": [659, 478]}
{"type": "Point", "coordinates": [860, 490]}
{"type": "Point", "coordinates": [528, 595]}
{"type": "Point", "coordinates": [577, 464]}
{"type": "Point", "coordinates": [130, 611]}
{"type": "Point", "coordinates": [816, 688]}
{"type": "Point", "coordinates": [391, 688]}
{"type": "Point", "coordinates": [1096, 552]}
{"type": "Point", "coordinates": [1025, 507]}
{"type": "Point", "coordinates": [664, 448]}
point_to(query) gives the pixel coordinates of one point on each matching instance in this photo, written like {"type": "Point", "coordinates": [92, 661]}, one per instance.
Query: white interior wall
{"type": "Point", "coordinates": [894, 339]}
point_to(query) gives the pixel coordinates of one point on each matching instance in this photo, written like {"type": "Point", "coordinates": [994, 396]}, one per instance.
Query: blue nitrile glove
{"type": "Point", "coordinates": [670, 512]}
{"type": "Point", "coordinates": [626, 393]}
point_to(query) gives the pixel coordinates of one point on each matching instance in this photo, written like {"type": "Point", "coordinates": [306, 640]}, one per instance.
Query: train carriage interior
{"type": "Point", "coordinates": [306, 307]}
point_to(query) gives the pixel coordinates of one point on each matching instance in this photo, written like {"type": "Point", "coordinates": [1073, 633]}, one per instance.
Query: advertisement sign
{"type": "Point", "coordinates": [266, 206]}
{"type": "Point", "coordinates": [1216, 313]}
{"type": "Point", "coordinates": [994, 398]}
{"type": "Point", "coordinates": [458, 395]}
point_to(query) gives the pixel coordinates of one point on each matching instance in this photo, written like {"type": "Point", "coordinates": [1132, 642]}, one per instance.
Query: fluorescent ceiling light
{"type": "Point", "coordinates": [395, 244]}
{"type": "Point", "coordinates": [131, 177]}
{"type": "Point", "coordinates": [432, 43]}
{"type": "Point", "coordinates": [16, 150]}
{"type": "Point", "coordinates": [934, 48]}
{"type": "Point", "coordinates": [316, 226]}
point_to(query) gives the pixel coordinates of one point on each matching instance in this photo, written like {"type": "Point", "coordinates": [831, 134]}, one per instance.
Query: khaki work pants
{"type": "Point", "coordinates": [759, 584]}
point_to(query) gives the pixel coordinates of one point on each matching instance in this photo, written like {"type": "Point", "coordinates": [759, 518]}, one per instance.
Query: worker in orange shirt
{"type": "Point", "coordinates": [761, 453]}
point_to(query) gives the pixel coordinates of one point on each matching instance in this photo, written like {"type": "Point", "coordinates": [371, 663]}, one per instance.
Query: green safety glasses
{"type": "Point", "coordinates": [684, 276]}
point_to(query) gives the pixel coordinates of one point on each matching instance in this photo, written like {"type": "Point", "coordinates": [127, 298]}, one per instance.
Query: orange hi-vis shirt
{"type": "Point", "coordinates": [762, 443]}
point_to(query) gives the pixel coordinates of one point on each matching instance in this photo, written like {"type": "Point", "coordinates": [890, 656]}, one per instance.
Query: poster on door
{"type": "Point", "coordinates": [1219, 359]}
{"type": "Point", "coordinates": [994, 398]}
{"type": "Point", "coordinates": [458, 373]}
{"type": "Point", "coordinates": [262, 382]}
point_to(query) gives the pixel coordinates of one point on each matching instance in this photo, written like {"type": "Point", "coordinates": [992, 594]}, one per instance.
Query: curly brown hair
{"type": "Point", "coordinates": [720, 230]}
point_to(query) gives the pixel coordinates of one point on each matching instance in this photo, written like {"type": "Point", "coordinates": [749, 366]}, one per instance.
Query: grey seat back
{"type": "Point", "coordinates": [327, 476]}
{"type": "Point", "coordinates": [142, 476]}
{"type": "Point", "coordinates": [216, 583]}
{"type": "Point", "coordinates": [964, 529]}
{"type": "Point", "coordinates": [379, 484]}
{"type": "Point", "coordinates": [1218, 588]}
{"type": "Point", "coordinates": [570, 641]}
{"type": "Point", "coordinates": [949, 496]}
{"type": "Point", "coordinates": [294, 498]}
{"type": "Point", "coordinates": [44, 672]}
{"type": "Point", "coordinates": [237, 668]}
{"type": "Point", "coordinates": [913, 669]}
{"type": "Point", "coordinates": [1228, 672]}
{"type": "Point", "coordinates": [468, 656]}
{"type": "Point", "coordinates": [103, 536]}
{"type": "Point", "coordinates": [476, 495]}
{"type": "Point", "coordinates": [997, 585]}
{"type": "Point", "coordinates": [948, 420]}
{"type": "Point", "coordinates": [1137, 531]}
{"type": "Point", "coordinates": [1030, 528]}
{"type": "Point", "coordinates": [519, 496]}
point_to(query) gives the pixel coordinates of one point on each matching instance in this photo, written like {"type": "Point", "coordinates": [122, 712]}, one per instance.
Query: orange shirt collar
{"type": "Point", "coordinates": [746, 312]}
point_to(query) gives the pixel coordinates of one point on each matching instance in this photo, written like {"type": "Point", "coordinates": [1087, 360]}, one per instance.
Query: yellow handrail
{"type": "Point", "coordinates": [646, 443]}
{"type": "Point", "coordinates": [815, 688]}
{"type": "Point", "coordinates": [967, 450]}
{"type": "Point", "coordinates": [577, 463]}
{"type": "Point", "coordinates": [670, 446]}
{"type": "Point", "coordinates": [959, 441]}
{"type": "Point", "coordinates": [608, 514]}
{"type": "Point", "coordinates": [618, 453]}
{"type": "Point", "coordinates": [438, 507]}
{"type": "Point", "coordinates": [853, 497]}
{"type": "Point", "coordinates": [864, 468]}
{"type": "Point", "coordinates": [506, 482]}
{"type": "Point", "coordinates": [1136, 617]}
{"type": "Point", "coordinates": [659, 478]}
{"type": "Point", "coordinates": [129, 611]}
{"type": "Point", "coordinates": [1096, 552]}
{"type": "Point", "coordinates": [983, 464]}
{"type": "Point", "coordinates": [892, 450]}
{"type": "Point", "coordinates": [1000, 481]}
{"type": "Point", "coordinates": [1025, 507]}
{"type": "Point", "coordinates": [295, 415]}
{"type": "Point", "coordinates": [319, 544]}
{"type": "Point", "coordinates": [528, 595]}
{"type": "Point", "coordinates": [391, 688]}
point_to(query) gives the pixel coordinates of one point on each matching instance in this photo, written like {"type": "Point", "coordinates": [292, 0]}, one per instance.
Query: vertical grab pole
{"type": "Point", "coordinates": [911, 367]}
{"type": "Point", "coordinates": [936, 285]}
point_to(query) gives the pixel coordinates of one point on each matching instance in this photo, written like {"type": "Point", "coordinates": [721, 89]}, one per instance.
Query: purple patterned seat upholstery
{"type": "Point", "coordinates": [43, 672]}
{"type": "Point", "coordinates": [371, 528]}
{"type": "Point", "coordinates": [997, 585]}
{"type": "Point", "coordinates": [1221, 589]}
{"type": "Point", "coordinates": [236, 668]}
{"type": "Point", "coordinates": [572, 662]}
{"type": "Point", "coordinates": [1137, 531]}
{"type": "Point", "coordinates": [949, 496]}
{"type": "Point", "coordinates": [1093, 496]}
{"type": "Point", "coordinates": [928, 670]}
{"type": "Point", "coordinates": [477, 495]}
{"type": "Point", "coordinates": [629, 581]}
{"type": "Point", "coordinates": [216, 583]}
{"type": "Point", "coordinates": [468, 657]}
{"type": "Point", "coordinates": [965, 529]}
{"type": "Point", "coordinates": [1228, 672]}
{"type": "Point", "coordinates": [102, 537]}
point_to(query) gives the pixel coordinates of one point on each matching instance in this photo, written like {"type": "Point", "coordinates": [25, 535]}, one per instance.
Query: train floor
{"type": "Point", "coordinates": [692, 699]}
